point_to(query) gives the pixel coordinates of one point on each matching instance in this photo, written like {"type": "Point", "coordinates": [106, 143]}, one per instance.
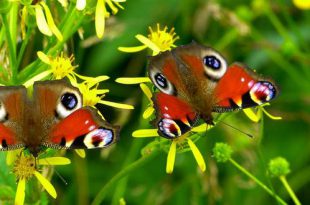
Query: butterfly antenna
{"type": "Point", "coordinates": [58, 174]}
{"type": "Point", "coordinates": [247, 134]}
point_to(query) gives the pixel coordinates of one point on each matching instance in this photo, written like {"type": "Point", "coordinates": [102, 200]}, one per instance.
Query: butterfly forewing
{"type": "Point", "coordinates": [13, 104]}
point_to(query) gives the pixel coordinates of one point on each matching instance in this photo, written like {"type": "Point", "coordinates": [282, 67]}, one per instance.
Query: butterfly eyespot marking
{"type": "Point", "coordinates": [262, 91]}
{"type": "Point", "coordinates": [3, 113]}
{"type": "Point", "coordinates": [162, 83]}
{"type": "Point", "coordinates": [68, 102]}
{"type": "Point", "coordinates": [215, 65]}
{"type": "Point", "coordinates": [161, 80]}
{"type": "Point", "coordinates": [212, 62]}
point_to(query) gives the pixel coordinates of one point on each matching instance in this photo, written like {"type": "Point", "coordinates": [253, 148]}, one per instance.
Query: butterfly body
{"type": "Point", "coordinates": [198, 81]}
{"type": "Point", "coordinates": [52, 117]}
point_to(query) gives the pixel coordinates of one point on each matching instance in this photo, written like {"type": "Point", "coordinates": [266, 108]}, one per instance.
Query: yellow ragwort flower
{"type": "Point", "coordinates": [181, 142]}
{"type": "Point", "coordinates": [101, 12]}
{"type": "Point", "coordinates": [158, 41]}
{"type": "Point", "coordinates": [44, 19]}
{"type": "Point", "coordinates": [25, 168]}
{"type": "Point", "coordinates": [302, 4]}
{"type": "Point", "coordinates": [59, 67]}
{"type": "Point", "coordinates": [255, 117]}
{"type": "Point", "coordinates": [92, 95]}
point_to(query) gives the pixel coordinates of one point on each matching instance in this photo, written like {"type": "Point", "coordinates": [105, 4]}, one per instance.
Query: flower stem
{"type": "Point", "coordinates": [124, 172]}
{"type": "Point", "coordinates": [269, 191]}
{"type": "Point", "coordinates": [11, 46]}
{"type": "Point", "coordinates": [289, 190]}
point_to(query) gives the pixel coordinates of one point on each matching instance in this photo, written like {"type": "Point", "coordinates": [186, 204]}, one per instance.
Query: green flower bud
{"type": "Point", "coordinates": [222, 152]}
{"type": "Point", "coordinates": [279, 167]}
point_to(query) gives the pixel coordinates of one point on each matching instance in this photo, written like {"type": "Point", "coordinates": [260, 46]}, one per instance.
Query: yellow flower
{"type": "Point", "coordinates": [302, 4]}
{"type": "Point", "coordinates": [255, 117]}
{"type": "Point", "coordinates": [59, 67]}
{"type": "Point", "coordinates": [44, 19]}
{"type": "Point", "coordinates": [158, 41]}
{"type": "Point", "coordinates": [25, 168]}
{"type": "Point", "coordinates": [92, 95]}
{"type": "Point", "coordinates": [101, 12]}
{"type": "Point", "coordinates": [150, 108]}
{"type": "Point", "coordinates": [181, 142]}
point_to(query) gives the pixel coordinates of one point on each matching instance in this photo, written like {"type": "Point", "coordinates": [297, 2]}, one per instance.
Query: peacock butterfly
{"type": "Point", "coordinates": [195, 81]}
{"type": "Point", "coordinates": [53, 117]}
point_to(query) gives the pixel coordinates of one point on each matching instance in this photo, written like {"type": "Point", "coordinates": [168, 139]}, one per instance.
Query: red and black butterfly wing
{"type": "Point", "coordinates": [69, 125]}
{"type": "Point", "coordinates": [239, 88]}
{"type": "Point", "coordinates": [83, 129]}
{"type": "Point", "coordinates": [12, 108]}
{"type": "Point", "coordinates": [174, 117]}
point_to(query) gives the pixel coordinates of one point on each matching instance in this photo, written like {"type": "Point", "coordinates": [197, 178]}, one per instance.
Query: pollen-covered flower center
{"type": "Point", "coordinates": [162, 38]}
{"type": "Point", "coordinates": [24, 167]}
{"type": "Point", "coordinates": [62, 66]}
{"type": "Point", "coordinates": [90, 96]}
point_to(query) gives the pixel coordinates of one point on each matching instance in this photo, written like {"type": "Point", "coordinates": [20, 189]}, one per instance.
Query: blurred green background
{"type": "Point", "coordinates": [272, 37]}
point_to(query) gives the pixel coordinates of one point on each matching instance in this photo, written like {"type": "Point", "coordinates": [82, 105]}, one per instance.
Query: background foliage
{"type": "Point", "coordinates": [271, 37]}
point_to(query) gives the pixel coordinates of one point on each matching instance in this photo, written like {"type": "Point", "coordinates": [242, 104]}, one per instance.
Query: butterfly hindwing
{"type": "Point", "coordinates": [174, 117]}
{"type": "Point", "coordinates": [69, 124]}
{"type": "Point", "coordinates": [12, 108]}
{"type": "Point", "coordinates": [239, 88]}
{"type": "Point", "coordinates": [84, 128]}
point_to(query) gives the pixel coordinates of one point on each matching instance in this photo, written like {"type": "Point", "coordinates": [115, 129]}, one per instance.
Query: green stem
{"type": "Point", "coordinates": [13, 14]}
{"type": "Point", "coordinates": [124, 172]}
{"type": "Point", "coordinates": [12, 51]}
{"type": "Point", "coordinates": [122, 184]}
{"type": "Point", "coordinates": [23, 46]}
{"type": "Point", "coordinates": [262, 185]}
{"type": "Point", "coordinates": [289, 190]}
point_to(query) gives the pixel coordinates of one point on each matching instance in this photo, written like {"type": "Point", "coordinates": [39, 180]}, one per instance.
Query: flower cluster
{"type": "Point", "coordinates": [26, 167]}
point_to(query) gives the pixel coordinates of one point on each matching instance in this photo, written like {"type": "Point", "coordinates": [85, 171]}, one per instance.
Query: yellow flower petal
{"type": "Point", "coordinates": [270, 116]}
{"type": "Point", "coordinates": [50, 22]}
{"type": "Point", "coordinates": [146, 90]}
{"type": "Point", "coordinates": [148, 112]}
{"type": "Point", "coordinates": [91, 80]}
{"type": "Point", "coordinates": [249, 112]}
{"type": "Point", "coordinates": [136, 80]}
{"type": "Point", "coordinates": [54, 161]}
{"type": "Point", "coordinates": [46, 184]}
{"type": "Point", "coordinates": [302, 4]}
{"type": "Point", "coordinates": [148, 43]}
{"type": "Point", "coordinates": [200, 128]}
{"type": "Point", "coordinates": [41, 21]}
{"type": "Point", "coordinates": [64, 3]}
{"type": "Point", "coordinates": [80, 4]}
{"type": "Point", "coordinates": [100, 18]}
{"type": "Point", "coordinates": [20, 192]}
{"type": "Point", "coordinates": [171, 157]}
{"type": "Point", "coordinates": [44, 58]}
{"type": "Point", "coordinates": [145, 133]}
{"type": "Point", "coordinates": [132, 49]}
{"type": "Point", "coordinates": [80, 152]}
{"type": "Point", "coordinates": [199, 159]}
{"type": "Point", "coordinates": [111, 5]}
{"type": "Point", "coordinates": [11, 156]}
{"type": "Point", "coordinates": [117, 105]}
{"type": "Point", "coordinates": [38, 77]}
